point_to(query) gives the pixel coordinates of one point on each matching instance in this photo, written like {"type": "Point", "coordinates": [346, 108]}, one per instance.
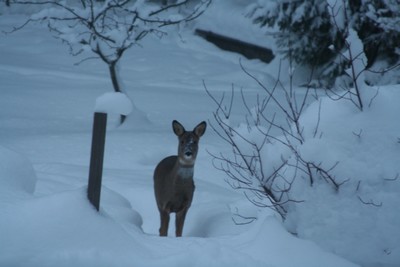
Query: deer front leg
{"type": "Point", "coordinates": [164, 216]}
{"type": "Point", "coordinates": [180, 220]}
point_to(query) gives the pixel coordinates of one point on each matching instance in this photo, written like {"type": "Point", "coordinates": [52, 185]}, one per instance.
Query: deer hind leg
{"type": "Point", "coordinates": [179, 221]}
{"type": "Point", "coordinates": [164, 216]}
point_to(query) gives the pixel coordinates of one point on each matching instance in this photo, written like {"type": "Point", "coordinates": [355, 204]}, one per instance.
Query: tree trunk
{"type": "Point", "coordinates": [114, 78]}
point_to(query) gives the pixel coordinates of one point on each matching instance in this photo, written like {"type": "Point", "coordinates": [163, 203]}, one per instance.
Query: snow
{"type": "Point", "coordinates": [16, 174]}
{"type": "Point", "coordinates": [115, 103]}
{"type": "Point", "coordinates": [365, 145]}
{"type": "Point", "coordinates": [46, 109]}
{"type": "Point", "coordinates": [355, 52]}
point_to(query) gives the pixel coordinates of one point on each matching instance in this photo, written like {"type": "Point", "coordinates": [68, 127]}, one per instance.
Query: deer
{"type": "Point", "coordinates": [173, 178]}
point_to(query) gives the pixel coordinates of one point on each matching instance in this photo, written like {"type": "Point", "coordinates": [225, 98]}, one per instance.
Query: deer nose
{"type": "Point", "coordinates": [188, 153]}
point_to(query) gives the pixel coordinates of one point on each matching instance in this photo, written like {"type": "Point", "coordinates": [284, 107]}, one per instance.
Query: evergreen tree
{"type": "Point", "coordinates": [313, 32]}
{"type": "Point", "coordinates": [304, 28]}
{"type": "Point", "coordinates": [378, 25]}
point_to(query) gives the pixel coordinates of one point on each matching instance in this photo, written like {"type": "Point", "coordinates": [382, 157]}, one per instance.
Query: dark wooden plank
{"type": "Point", "coordinates": [96, 158]}
{"type": "Point", "coordinates": [250, 51]}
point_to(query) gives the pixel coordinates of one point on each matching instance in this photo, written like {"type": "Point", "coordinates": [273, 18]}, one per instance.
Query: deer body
{"type": "Point", "coordinates": [173, 178]}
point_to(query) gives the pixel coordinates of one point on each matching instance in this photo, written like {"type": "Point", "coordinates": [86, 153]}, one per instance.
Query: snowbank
{"type": "Point", "coordinates": [359, 221]}
{"type": "Point", "coordinates": [63, 230]}
{"type": "Point", "coordinates": [273, 244]}
{"type": "Point", "coordinates": [360, 150]}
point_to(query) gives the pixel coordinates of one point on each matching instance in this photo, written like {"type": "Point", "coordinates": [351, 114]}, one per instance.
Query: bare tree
{"type": "Point", "coordinates": [267, 184]}
{"type": "Point", "coordinates": [109, 28]}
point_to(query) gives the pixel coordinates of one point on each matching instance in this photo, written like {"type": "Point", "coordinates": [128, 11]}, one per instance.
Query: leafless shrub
{"type": "Point", "coordinates": [267, 184]}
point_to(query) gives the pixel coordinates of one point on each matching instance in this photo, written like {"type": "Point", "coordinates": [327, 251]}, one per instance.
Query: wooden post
{"type": "Point", "coordinates": [96, 158]}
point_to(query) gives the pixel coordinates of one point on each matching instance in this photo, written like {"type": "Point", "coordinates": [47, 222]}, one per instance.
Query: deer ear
{"type": "Point", "coordinates": [200, 129]}
{"type": "Point", "coordinates": [178, 128]}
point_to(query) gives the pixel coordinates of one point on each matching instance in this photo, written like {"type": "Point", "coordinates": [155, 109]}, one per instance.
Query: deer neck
{"type": "Point", "coordinates": [183, 170]}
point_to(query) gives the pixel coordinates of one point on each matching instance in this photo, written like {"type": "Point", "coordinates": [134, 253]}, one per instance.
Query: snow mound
{"type": "Point", "coordinates": [283, 249]}
{"type": "Point", "coordinates": [364, 148]}
{"type": "Point", "coordinates": [64, 229]}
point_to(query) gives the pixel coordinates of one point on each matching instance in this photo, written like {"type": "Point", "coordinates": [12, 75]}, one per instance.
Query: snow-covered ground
{"type": "Point", "coordinates": [46, 112]}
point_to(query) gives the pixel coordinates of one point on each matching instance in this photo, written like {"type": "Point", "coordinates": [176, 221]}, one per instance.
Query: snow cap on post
{"type": "Point", "coordinates": [114, 103]}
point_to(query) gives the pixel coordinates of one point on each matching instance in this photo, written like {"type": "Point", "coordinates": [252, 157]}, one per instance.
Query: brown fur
{"type": "Point", "coordinates": [173, 178]}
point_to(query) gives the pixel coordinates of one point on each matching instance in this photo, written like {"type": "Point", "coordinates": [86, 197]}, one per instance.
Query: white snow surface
{"type": "Point", "coordinates": [114, 103]}
{"type": "Point", "coordinates": [46, 112]}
